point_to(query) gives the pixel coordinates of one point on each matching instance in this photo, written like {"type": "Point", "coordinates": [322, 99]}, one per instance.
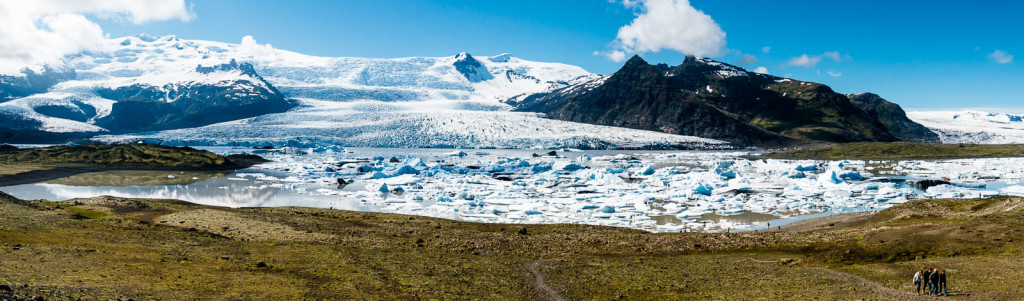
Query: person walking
{"type": "Point", "coordinates": [942, 283]}
{"type": "Point", "coordinates": [926, 280]}
{"type": "Point", "coordinates": [917, 280]}
{"type": "Point", "coordinates": [934, 280]}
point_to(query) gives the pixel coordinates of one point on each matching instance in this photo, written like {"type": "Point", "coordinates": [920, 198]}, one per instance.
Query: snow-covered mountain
{"type": "Point", "coordinates": [191, 91]}
{"type": "Point", "coordinates": [974, 127]}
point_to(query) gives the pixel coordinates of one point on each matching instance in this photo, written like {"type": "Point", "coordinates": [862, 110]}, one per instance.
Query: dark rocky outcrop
{"type": "Point", "coordinates": [16, 127]}
{"type": "Point", "coordinates": [894, 118]}
{"type": "Point", "coordinates": [706, 98]}
{"type": "Point", "coordinates": [471, 68]}
{"type": "Point", "coordinates": [13, 86]}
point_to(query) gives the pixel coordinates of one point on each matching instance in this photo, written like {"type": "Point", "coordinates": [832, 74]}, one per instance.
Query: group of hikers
{"type": "Point", "coordinates": [931, 282]}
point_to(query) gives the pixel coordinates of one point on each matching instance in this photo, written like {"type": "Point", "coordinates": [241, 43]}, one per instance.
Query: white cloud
{"type": "Point", "coordinates": [668, 24]}
{"type": "Point", "coordinates": [761, 70]}
{"type": "Point", "coordinates": [808, 61]}
{"type": "Point", "coordinates": [835, 56]}
{"type": "Point", "coordinates": [834, 73]}
{"type": "Point", "coordinates": [1001, 57]}
{"type": "Point", "coordinates": [766, 49]}
{"type": "Point", "coordinates": [747, 60]}
{"type": "Point", "coordinates": [251, 47]}
{"type": "Point", "coordinates": [616, 55]}
{"type": "Point", "coordinates": [804, 61]}
{"type": "Point", "coordinates": [38, 32]}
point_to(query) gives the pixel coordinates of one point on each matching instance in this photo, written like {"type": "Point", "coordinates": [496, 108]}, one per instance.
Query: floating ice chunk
{"type": "Point", "coordinates": [457, 154]}
{"type": "Point", "coordinates": [807, 168]}
{"type": "Point", "coordinates": [494, 168]}
{"type": "Point", "coordinates": [641, 206]}
{"type": "Point", "coordinates": [1015, 190]}
{"type": "Point", "coordinates": [367, 168]}
{"type": "Point", "coordinates": [703, 190]}
{"type": "Point", "coordinates": [328, 149]}
{"type": "Point", "coordinates": [615, 170]}
{"type": "Point", "coordinates": [692, 213]}
{"type": "Point", "coordinates": [648, 170]}
{"type": "Point", "coordinates": [851, 163]}
{"type": "Point", "coordinates": [170, 176]}
{"type": "Point", "coordinates": [607, 209]}
{"type": "Point", "coordinates": [853, 175]}
{"type": "Point", "coordinates": [416, 163]}
{"type": "Point", "coordinates": [401, 170]}
{"type": "Point", "coordinates": [829, 178]}
{"type": "Point", "coordinates": [730, 211]}
{"type": "Point", "coordinates": [541, 167]}
{"type": "Point", "coordinates": [402, 180]}
{"type": "Point", "coordinates": [378, 187]}
{"type": "Point", "coordinates": [567, 166]}
{"type": "Point", "coordinates": [375, 175]}
{"type": "Point", "coordinates": [728, 174]}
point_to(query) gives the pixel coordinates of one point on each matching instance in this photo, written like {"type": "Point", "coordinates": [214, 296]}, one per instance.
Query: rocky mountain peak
{"type": "Point", "coordinates": [471, 68]}
{"type": "Point", "coordinates": [707, 98]}
{"type": "Point", "coordinates": [245, 68]}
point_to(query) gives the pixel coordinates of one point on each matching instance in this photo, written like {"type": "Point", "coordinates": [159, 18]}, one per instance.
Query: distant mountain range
{"type": "Point", "coordinates": [188, 92]}
{"type": "Point", "coordinates": [706, 98]}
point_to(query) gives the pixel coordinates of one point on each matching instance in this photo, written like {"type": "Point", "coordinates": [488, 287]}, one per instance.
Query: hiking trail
{"type": "Point", "coordinates": [541, 285]}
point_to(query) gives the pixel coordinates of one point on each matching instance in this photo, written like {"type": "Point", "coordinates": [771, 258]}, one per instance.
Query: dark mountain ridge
{"type": "Point", "coordinates": [141, 107]}
{"type": "Point", "coordinates": [705, 98]}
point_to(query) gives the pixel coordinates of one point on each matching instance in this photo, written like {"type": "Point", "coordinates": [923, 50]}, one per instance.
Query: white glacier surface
{"type": "Point", "coordinates": [974, 127]}
{"type": "Point", "coordinates": [395, 102]}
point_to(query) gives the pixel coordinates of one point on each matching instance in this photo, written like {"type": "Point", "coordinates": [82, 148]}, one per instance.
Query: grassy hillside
{"type": "Point", "coordinates": [900, 150]}
{"type": "Point", "coordinates": [128, 155]}
{"type": "Point", "coordinates": [88, 248]}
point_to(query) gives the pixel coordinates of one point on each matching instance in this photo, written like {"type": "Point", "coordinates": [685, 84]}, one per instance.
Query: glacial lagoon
{"type": "Point", "coordinates": [659, 191]}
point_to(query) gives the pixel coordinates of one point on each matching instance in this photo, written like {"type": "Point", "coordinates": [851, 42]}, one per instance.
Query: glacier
{"type": "Point", "coordinates": [972, 127]}
{"type": "Point", "coordinates": [452, 101]}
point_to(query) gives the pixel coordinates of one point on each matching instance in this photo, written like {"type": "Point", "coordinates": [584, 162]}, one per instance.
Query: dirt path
{"type": "Point", "coordinates": [872, 286]}
{"type": "Point", "coordinates": [541, 285]}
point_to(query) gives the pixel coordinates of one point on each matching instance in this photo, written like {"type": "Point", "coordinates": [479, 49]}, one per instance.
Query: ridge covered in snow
{"type": "Point", "coordinates": [974, 127]}
{"type": "Point", "coordinates": [452, 100]}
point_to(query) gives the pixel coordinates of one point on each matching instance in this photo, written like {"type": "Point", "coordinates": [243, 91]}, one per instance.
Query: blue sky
{"type": "Point", "coordinates": [920, 54]}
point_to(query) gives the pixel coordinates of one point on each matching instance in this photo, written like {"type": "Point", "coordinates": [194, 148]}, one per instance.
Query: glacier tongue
{"type": "Point", "coordinates": [414, 124]}
{"type": "Point", "coordinates": [972, 127]}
